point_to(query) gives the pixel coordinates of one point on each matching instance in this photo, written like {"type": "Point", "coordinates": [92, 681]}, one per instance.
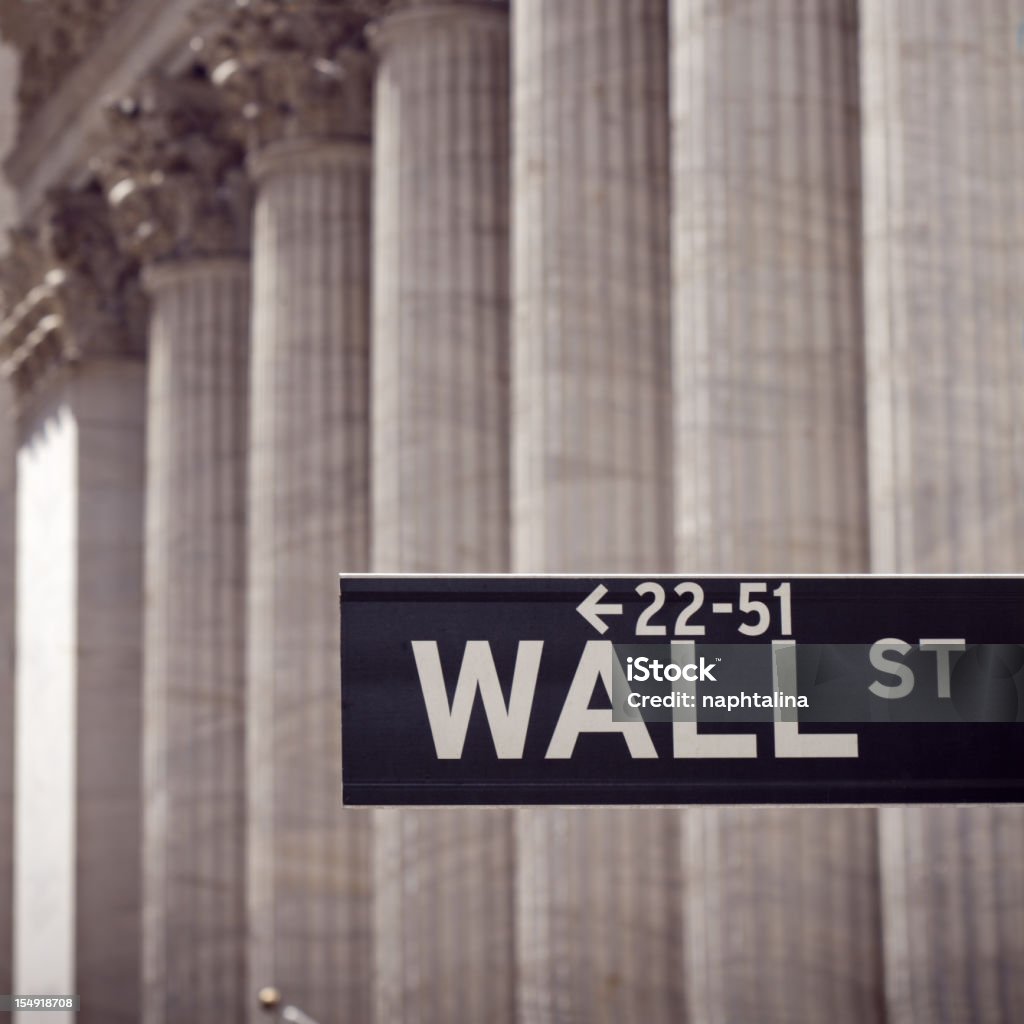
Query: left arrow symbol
{"type": "Point", "coordinates": [591, 608]}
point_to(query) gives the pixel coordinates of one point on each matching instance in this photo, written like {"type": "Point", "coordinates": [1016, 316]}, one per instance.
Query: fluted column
{"type": "Point", "coordinates": [296, 73]}
{"type": "Point", "coordinates": [944, 230]}
{"type": "Point", "coordinates": [598, 894]}
{"type": "Point", "coordinates": [177, 192]}
{"type": "Point", "coordinates": [444, 914]}
{"type": "Point", "coordinates": [194, 671]}
{"type": "Point", "coordinates": [8, 448]}
{"type": "Point", "coordinates": [309, 860]}
{"type": "Point", "coordinates": [592, 443]}
{"type": "Point", "coordinates": [771, 473]}
{"type": "Point", "coordinates": [72, 346]}
{"type": "Point", "coordinates": [769, 466]}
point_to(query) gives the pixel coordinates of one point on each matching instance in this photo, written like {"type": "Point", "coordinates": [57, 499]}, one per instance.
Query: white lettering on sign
{"type": "Point", "coordinates": [593, 610]}
{"type": "Point", "coordinates": [687, 742]}
{"type": "Point", "coordinates": [448, 723]}
{"type": "Point", "coordinates": [751, 614]}
{"type": "Point", "coordinates": [882, 659]}
{"type": "Point", "coordinates": [789, 740]}
{"type": "Point", "coordinates": [578, 716]}
{"type": "Point", "coordinates": [508, 723]}
{"type": "Point", "coordinates": [943, 649]}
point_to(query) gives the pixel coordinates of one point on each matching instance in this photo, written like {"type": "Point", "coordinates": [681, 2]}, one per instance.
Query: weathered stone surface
{"type": "Point", "coordinates": [943, 233]}
{"type": "Point", "coordinates": [8, 598]}
{"type": "Point", "coordinates": [72, 312]}
{"type": "Point", "coordinates": [8, 541]}
{"type": "Point", "coordinates": [441, 291]}
{"type": "Point", "coordinates": [444, 879]}
{"type": "Point", "coordinates": [194, 938]}
{"type": "Point", "coordinates": [310, 880]}
{"type": "Point", "coordinates": [592, 451]}
{"type": "Point", "coordinates": [770, 468]}
{"type": "Point", "coordinates": [592, 389]}
{"type": "Point", "coordinates": [78, 695]}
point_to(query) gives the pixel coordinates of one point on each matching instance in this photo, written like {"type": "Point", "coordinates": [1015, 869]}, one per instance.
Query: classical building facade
{"type": "Point", "coordinates": [295, 287]}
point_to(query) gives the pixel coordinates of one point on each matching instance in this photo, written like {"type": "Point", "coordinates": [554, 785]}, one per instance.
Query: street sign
{"type": "Point", "coordinates": [516, 690]}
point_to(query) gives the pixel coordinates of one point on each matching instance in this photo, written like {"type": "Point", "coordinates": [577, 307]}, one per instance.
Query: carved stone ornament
{"type": "Point", "coordinates": [67, 291]}
{"type": "Point", "coordinates": [173, 172]}
{"type": "Point", "coordinates": [291, 69]}
{"type": "Point", "coordinates": [52, 36]}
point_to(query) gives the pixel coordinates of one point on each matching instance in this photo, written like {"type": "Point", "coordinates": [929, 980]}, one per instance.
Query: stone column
{"type": "Point", "coordinates": [8, 450]}
{"type": "Point", "coordinates": [297, 75]}
{"type": "Point", "coordinates": [444, 914]}
{"type": "Point", "coordinates": [592, 461]}
{"type": "Point", "coordinates": [195, 682]}
{"type": "Point", "coordinates": [782, 906]}
{"type": "Point", "coordinates": [72, 348]}
{"type": "Point", "coordinates": [175, 183]}
{"type": "Point", "coordinates": [944, 229]}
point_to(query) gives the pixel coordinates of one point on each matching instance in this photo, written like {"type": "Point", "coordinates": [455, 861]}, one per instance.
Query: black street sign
{"type": "Point", "coordinates": [516, 690]}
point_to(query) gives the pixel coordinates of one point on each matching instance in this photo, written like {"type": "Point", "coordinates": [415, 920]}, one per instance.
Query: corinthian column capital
{"type": "Point", "coordinates": [173, 172]}
{"type": "Point", "coordinates": [67, 291]}
{"type": "Point", "coordinates": [291, 70]}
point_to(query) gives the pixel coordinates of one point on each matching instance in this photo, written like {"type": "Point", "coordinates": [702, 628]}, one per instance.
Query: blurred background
{"type": "Point", "coordinates": [295, 287]}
